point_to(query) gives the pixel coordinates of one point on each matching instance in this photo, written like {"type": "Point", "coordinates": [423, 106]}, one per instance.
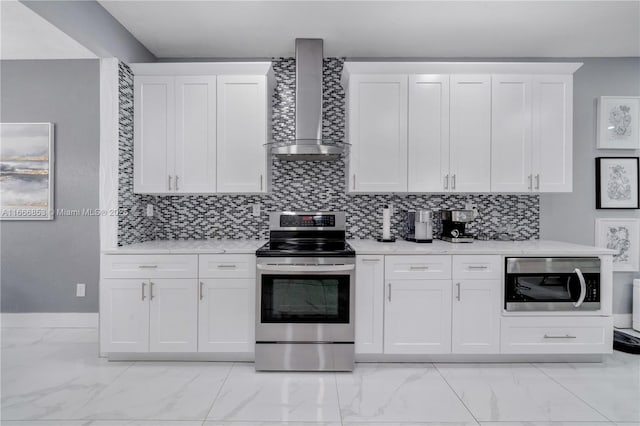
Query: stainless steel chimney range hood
{"type": "Point", "coordinates": [308, 144]}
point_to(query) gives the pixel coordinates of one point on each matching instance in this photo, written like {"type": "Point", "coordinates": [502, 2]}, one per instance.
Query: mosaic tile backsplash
{"type": "Point", "coordinates": [295, 185]}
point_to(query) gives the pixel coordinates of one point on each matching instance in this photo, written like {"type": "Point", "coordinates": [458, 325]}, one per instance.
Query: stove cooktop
{"type": "Point", "coordinates": [306, 249]}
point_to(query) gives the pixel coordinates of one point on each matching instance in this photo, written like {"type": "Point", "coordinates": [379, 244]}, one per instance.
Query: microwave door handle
{"type": "Point", "coordinates": [583, 288]}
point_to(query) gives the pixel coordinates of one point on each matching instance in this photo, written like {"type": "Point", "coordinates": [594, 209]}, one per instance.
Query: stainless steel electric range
{"type": "Point", "coordinates": [305, 294]}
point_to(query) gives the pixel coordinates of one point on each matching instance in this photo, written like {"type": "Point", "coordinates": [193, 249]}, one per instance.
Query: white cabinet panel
{"type": "Point", "coordinates": [476, 317]}
{"type": "Point", "coordinates": [428, 137]}
{"type": "Point", "coordinates": [173, 315]}
{"type": "Point", "coordinates": [377, 116]}
{"type": "Point", "coordinates": [417, 317]}
{"type": "Point", "coordinates": [556, 335]}
{"type": "Point", "coordinates": [227, 266]}
{"type": "Point", "coordinates": [150, 266]}
{"type": "Point", "coordinates": [417, 267]}
{"type": "Point", "coordinates": [124, 315]}
{"type": "Point", "coordinates": [511, 133]}
{"type": "Point", "coordinates": [553, 133]}
{"type": "Point", "coordinates": [477, 267]}
{"type": "Point", "coordinates": [470, 133]}
{"type": "Point", "coordinates": [154, 133]}
{"type": "Point", "coordinates": [369, 304]}
{"type": "Point", "coordinates": [195, 152]}
{"type": "Point", "coordinates": [242, 133]}
{"type": "Point", "coordinates": [227, 315]}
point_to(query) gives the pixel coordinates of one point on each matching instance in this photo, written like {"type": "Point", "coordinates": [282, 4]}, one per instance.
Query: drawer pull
{"type": "Point", "coordinates": [148, 266]}
{"type": "Point", "coordinates": [418, 268]}
{"type": "Point", "coordinates": [477, 267]}
{"type": "Point", "coordinates": [371, 260]}
{"type": "Point", "coordinates": [227, 266]}
{"type": "Point", "coordinates": [566, 336]}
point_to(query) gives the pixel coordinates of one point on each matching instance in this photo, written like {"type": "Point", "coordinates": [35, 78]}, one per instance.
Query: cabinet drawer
{"type": "Point", "coordinates": [150, 266]}
{"type": "Point", "coordinates": [227, 266]}
{"type": "Point", "coordinates": [436, 267]}
{"type": "Point", "coordinates": [476, 267]}
{"type": "Point", "coordinates": [556, 335]}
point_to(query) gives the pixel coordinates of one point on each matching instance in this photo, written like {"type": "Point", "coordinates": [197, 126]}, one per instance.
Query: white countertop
{"type": "Point", "coordinates": [531, 247]}
{"type": "Point", "coordinates": [190, 247]}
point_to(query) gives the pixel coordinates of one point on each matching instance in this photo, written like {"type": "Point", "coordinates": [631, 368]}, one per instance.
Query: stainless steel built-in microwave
{"type": "Point", "coordinates": [552, 284]}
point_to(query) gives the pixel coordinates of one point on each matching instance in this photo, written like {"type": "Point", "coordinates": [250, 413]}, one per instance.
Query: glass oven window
{"type": "Point", "coordinates": [305, 299]}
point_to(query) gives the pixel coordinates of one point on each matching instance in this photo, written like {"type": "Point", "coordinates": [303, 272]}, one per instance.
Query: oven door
{"type": "Point", "coordinates": [305, 302]}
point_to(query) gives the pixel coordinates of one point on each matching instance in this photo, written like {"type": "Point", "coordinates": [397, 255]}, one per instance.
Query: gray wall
{"type": "Point", "coordinates": [571, 217]}
{"type": "Point", "coordinates": [41, 261]}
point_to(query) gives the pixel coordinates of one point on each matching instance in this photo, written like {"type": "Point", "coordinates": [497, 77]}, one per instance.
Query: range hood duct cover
{"type": "Point", "coordinates": [308, 144]}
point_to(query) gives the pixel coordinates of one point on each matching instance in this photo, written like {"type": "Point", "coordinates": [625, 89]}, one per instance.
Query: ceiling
{"type": "Point", "coordinates": [26, 35]}
{"type": "Point", "coordinates": [396, 29]}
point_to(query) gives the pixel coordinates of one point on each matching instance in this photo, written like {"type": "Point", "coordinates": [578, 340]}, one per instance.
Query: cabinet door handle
{"type": "Point", "coordinates": [530, 182]}
{"type": "Point", "coordinates": [150, 290]}
{"type": "Point", "coordinates": [537, 182]}
{"type": "Point", "coordinates": [371, 260]}
{"type": "Point", "coordinates": [389, 295]}
{"type": "Point", "coordinates": [458, 294]}
{"type": "Point", "coordinates": [446, 182]}
{"type": "Point", "coordinates": [177, 177]}
{"type": "Point", "coordinates": [169, 182]}
{"type": "Point", "coordinates": [148, 266]}
{"type": "Point", "coordinates": [453, 181]}
{"type": "Point", "coordinates": [566, 336]}
{"type": "Point", "coordinates": [261, 185]}
{"type": "Point", "coordinates": [201, 290]}
{"type": "Point", "coordinates": [477, 267]}
{"type": "Point", "coordinates": [142, 288]}
{"type": "Point", "coordinates": [227, 266]}
{"type": "Point", "coordinates": [418, 268]}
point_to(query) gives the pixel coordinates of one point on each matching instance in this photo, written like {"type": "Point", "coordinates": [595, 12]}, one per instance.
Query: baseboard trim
{"type": "Point", "coordinates": [50, 320]}
{"type": "Point", "coordinates": [622, 320]}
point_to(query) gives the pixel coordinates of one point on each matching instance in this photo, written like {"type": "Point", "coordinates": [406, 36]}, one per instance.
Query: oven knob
{"type": "Point", "coordinates": [455, 233]}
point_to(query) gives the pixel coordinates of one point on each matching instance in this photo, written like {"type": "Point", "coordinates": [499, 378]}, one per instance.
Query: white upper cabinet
{"type": "Point", "coordinates": [532, 133]}
{"type": "Point", "coordinates": [154, 133]}
{"type": "Point", "coordinates": [195, 148]}
{"type": "Point", "coordinates": [200, 128]}
{"type": "Point", "coordinates": [459, 126]}
{"type": "Point", "coordinates": [470, 133]}
{"type": "Point", "coordinates": [511, 133]}
{"type": "Point", "coordinates": [553, 133]}
{"type": "Point", "coordinates": [242, 133]}
{"type": "Point", "coordinates": [377, 126]}
{"type": "Point", "coordinates": [428, 153]}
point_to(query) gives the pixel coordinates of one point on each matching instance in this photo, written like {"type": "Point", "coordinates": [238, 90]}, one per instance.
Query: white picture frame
{"type": "Point", "coordinates": [617, 183]}
{"type": "Point", "coordinates": [26, 171]}
{"type": "Point", "coordinates": [622, 235]}
{"type": "Point", "coordinates": [618, 122]}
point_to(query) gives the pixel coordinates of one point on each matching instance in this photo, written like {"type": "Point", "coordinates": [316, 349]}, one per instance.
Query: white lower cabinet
{"type": "Point", "coordinates": [173, 315]}
{"type": "Point", "coordinates": [124, 315]}
{"type": "Point", "coordinates": [369, 304]}
{"type": "Point", "coordinates": [417, 317]}
{"type": "Point", "coordinates": [226, 315]}
{"type": "Point", "coordinates": [476, 317]}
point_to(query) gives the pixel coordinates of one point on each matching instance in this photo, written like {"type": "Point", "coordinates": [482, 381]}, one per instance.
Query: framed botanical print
{"type": "Point", "coordinates": [618, 125]}
{"type": "Point", "coordinates": [617, 183]}
{"type": "Point", "coordinates": [623, 236]}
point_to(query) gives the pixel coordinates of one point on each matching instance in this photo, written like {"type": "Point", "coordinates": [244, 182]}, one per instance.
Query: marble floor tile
{"type": "Point", "coordinates": [514, 392]}
{"type": "Point", "coordinates": [99, 423]}
{"type": "Point", "coordinates": [159, 391]}
{"type": "Point", "coordinates": [546, 424]}
{"type": "Point", "coordinates": [398, 393]}
{"type": "Point", "coordinates": [371, 423]}
{"type": "Point", "coordinates": [611, 387]}
{"type": "Point", "coordinates": [248, 396]}
{"type": "Point", "coordinates": [234, 423]}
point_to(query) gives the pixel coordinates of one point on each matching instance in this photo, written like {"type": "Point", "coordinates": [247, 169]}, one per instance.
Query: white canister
{"type": "Point", "coordinates": [423, 226]}
{"type": "Point", "coordinates": [386, 223]}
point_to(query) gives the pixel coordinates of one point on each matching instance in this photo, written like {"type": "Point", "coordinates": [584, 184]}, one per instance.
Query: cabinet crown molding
{"type": "Point", "coordinates": [201, 68]}
{"type": "Point", "coordinates": [459, 68]}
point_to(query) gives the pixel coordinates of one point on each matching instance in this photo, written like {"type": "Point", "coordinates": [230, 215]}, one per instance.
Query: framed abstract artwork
{"type": "Point", "coordinates": [617, 122]}
{"type": "Point", "coordinates": [623, 236]}
{"type": "Point", "coordinates": [26, 171]}
{"type": "Point", "coordinates": [617, 183]}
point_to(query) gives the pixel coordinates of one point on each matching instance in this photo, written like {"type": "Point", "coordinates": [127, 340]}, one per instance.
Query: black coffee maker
{"type": "Point", "coordinates": [453, 226]}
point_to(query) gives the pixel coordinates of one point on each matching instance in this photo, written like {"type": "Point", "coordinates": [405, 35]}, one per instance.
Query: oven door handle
{"type": "Point", "coordinates": [583, 288]}
{"type": "Point", "coordinates": [306, 268]}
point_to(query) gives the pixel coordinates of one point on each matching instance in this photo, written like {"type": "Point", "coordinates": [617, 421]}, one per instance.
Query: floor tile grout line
{"type": "Point", "coordinates": [206, 416]}
{"type": "Point", "coordinates": [572, 393]}
{"type": "Point", "coordinates": [456, 394]}
{"type": "Point", "coordinates": [335, 381]}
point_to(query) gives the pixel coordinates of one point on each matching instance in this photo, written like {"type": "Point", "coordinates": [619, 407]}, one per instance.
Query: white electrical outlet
{"type": "Point", "coordinates": [149, 210]}
{"type": "Point", "coordinates": [255, 210]}
{"type": "Point", "coordinates": [80, 289]}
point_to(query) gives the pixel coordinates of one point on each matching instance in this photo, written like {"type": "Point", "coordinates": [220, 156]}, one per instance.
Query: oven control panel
{"type": "Point", "coordinates": [307, 221]}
